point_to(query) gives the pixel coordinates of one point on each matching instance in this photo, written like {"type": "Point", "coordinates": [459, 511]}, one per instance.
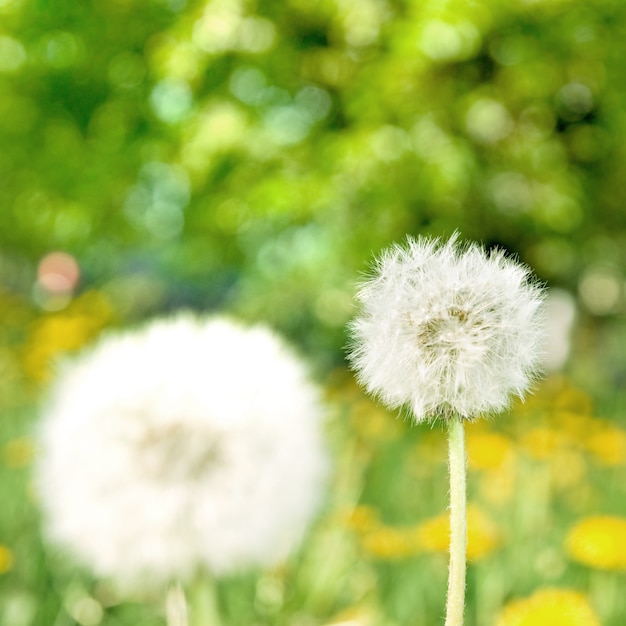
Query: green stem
{"type": "Point", "coordinates": [458, 527]}
{"type": "Point", "coordinates": [176, 606]}
{"type": "Point", "coordinates": [199, 607]}
{"type": "Point", "coordinates": [203, 603]}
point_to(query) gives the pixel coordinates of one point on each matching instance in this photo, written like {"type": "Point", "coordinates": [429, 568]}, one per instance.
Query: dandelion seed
{"type": "Point", "coordinates": [185, 446]}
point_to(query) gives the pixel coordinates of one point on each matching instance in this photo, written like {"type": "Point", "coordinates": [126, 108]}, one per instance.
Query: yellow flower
{"type": "Point", "coordinates": [608, 445]}
{"type": "Point", "coordinates": [67, 331]}
{"type": "Point", "coordinates": [567, 469]}
{"type": "Point", "coordinates": [487, 450]}
{"type": "Point", "coordinates": [570, 398]}
{"type": "Point", "coordinates": [18, 452]}
{"type": "Point", "coordinates": [387, 542]}
{"type": "Point", "coordinates": [598, 542]}
{"type": "Point", "coordinates": [497, 486]}
{"type": "Point", "coordinates": [542, 442]}
{"type": "Point", "coordinates": [549, 607]}
{"type": "Point", "coordinates": [6, 559]}
{"type": "Point", "coordinates": [575, 426]}
{"type": "Point", "coordinates": [355, 616]}
{"type": "Point", "coordinates": [373, 423]}
{"type": "Point", "coordinates": [483, 536]}
{"type": "Point", "coordinates": [362, 518]}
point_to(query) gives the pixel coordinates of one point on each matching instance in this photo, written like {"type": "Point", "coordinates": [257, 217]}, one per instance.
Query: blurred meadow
{"type": "Point", "coordinates": [250, 157]}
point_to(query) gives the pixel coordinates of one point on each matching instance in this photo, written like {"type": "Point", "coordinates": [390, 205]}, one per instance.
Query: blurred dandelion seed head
{"type": "Point", "coordinates": [188, 444]}
{"type": "Point", "coordinates": [177, 452]}
{"type": "Point", "coordinates": [447, 329]}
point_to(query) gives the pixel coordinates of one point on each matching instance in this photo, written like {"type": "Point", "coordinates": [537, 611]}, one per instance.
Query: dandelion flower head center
{"type": "Point", "coordinates": [454, 331]}
{"type": "Point", "coordinates": [176, 453]}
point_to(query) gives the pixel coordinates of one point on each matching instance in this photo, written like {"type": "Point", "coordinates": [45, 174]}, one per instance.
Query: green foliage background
{"type": "Point", "coordinates": [253, 155]}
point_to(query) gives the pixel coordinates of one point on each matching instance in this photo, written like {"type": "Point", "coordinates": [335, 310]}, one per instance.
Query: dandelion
{"type": "Point", "coordinates": [451, 332]}
{"type": "Point", "coordinates": [598, 542]}
{"type": "Point", "coordinates": [447, 330]}
{"type": "Point", "coordinates": [550, 607]}
{"type": "Point", "coordinates": [189, 445]}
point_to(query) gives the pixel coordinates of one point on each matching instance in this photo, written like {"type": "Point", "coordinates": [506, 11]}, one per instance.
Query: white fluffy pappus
{"type": "Point", "coordinates": [186, 445]}
{"type": "Point", "coordinates": [447, 328]}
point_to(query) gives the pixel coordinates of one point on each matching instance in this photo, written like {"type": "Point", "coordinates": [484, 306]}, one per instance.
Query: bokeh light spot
{"type": "Point", "coordinates": [61, 49]}
{"type": "Point", "coordinates": [511, 192]}
{"type": "Point", "coordinates": [156, 202]}
{"type": "Point", "coordinates": [58, 272]}
{"type": "Point", "coordinates": [442, 41]}
{"type": "Point", "coordinates": [12, 54]}
{"type": "Point", "coordinates": [287, 124]}
{"type": "Point", "coordinates": [575, 100]}
{"type": "Point", "coordinates": [317, 102]}
{"type": "Point", "coordinates": [171, 100]}
{"type": "Point", "coordinates": [389, 143]}
{"type": "Point", "coordinates": [601, 290]}
{"type": "Point", "coordinates": [126, 70]}
{"type": "Point", "coordinates": [256, 34]}
{"type": "Point", "coordinates": [248, 84]}
{"type": "Point", "coordinates": [488, 121]}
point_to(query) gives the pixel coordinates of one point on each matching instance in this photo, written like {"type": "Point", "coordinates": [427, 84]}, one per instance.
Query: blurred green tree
{"type": "Point", "coordinates": [254, 154]}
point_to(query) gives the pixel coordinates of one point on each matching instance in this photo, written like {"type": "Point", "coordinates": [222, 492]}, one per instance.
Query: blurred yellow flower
{"type": "Point", "coordinates": [568, 468]}
{"type": "Point", "coordinates": [387, 542]}
{"type": "Point", "coordinates": [497, 486]}
{"type": "Point", "coordinates": [572, 399]}
{"type": "Point", "coordinates": [66, 331]}
{"type": "Point", "coordinates": [575, 426]}
{"type": "Point", "coordinates": [6, 559]}
{"type": "Point", "coordinates": [355, 616]}
{"type": "Point", "coordinates": [608, 445]}
{"type": "Point", "coordinates": [483, 536]}
{"type": "Point", "coordinates": [362, 518]}
{"type": "Point", "coordinates": [373, 423]}
{"type": "Point", "coordinates": [487, 450]}
{"type": "Point", "coordinates": [18, 452]}
{"type": "Point", "coordinates": [542, 442]}
{"type": "Point", "coordinates": [598, 542]}
{"type": "Point", "coordinates": [549, 607]}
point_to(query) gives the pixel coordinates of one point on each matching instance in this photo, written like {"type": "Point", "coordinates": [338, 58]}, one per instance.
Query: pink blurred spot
{"type": "Point", "coordinates": [58, 273]}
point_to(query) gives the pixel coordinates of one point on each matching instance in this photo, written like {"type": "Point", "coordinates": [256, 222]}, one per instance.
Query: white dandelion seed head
{"type": "Point", "coordinates": [185, 445]}
{"type": "Point", "coordinates": [447, 328]}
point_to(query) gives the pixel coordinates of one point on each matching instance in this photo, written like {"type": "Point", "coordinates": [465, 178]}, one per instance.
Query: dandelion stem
{"type": "Point", "coordinates": [458, 527]}
{"type": "Point", "coordinates": [203, 604]}
{"type": "Point", "coordinates": [176, 606]}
